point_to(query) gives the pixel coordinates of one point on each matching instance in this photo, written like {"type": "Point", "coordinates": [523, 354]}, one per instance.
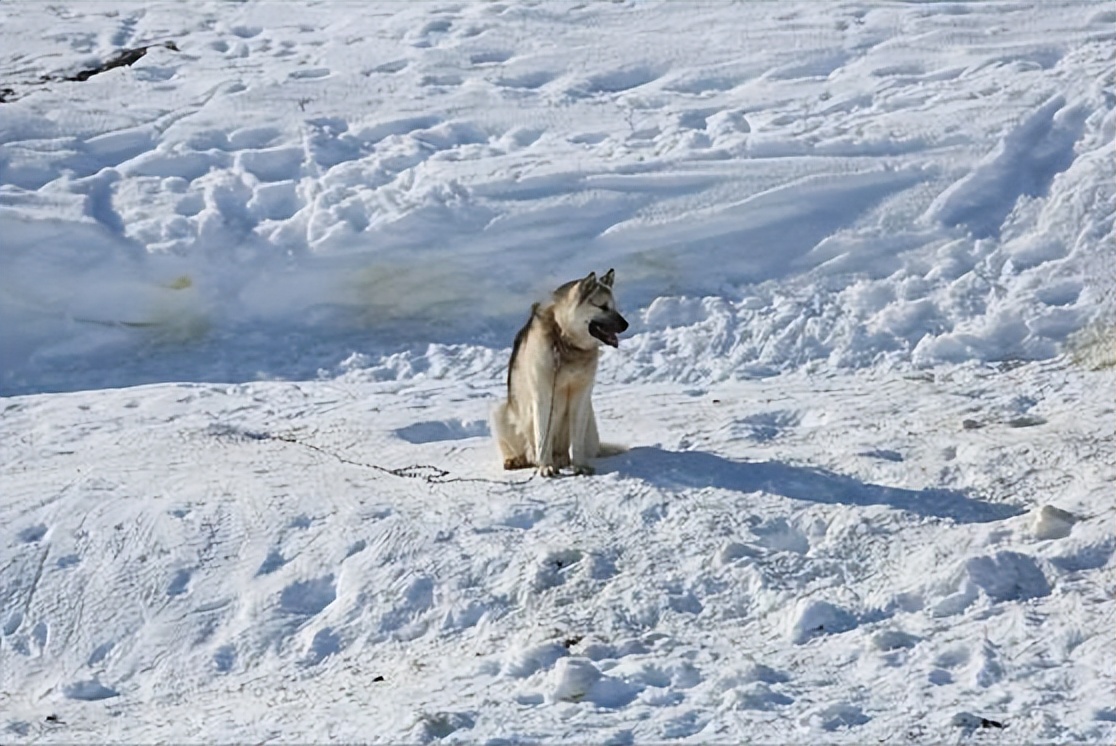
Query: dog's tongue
{"type": "Point", "coordinates": [604, 335]}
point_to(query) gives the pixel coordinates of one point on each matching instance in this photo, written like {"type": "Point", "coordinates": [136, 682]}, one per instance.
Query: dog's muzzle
{"type": "Point", "coordinates": [606, 329]}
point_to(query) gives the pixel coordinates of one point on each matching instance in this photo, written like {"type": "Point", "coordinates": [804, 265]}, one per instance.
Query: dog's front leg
{"type": "Point", "coordinates": [581, 416]}
{"type": "Point", "coordinates": [544, 426]}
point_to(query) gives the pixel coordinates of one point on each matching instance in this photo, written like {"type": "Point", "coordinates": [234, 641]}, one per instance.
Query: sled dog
{"type": "Point", "coordinates": [547, 421]}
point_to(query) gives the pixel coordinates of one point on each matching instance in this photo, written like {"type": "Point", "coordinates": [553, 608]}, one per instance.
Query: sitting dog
{"type": "Point", "coordinates": [547, 421]}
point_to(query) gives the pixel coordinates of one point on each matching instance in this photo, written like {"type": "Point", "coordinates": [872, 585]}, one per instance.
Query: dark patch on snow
{"type": "Point", "coordinates": [234, 432]}
{"type": "Point", "coordinates": [700, 469]}
{"type": "Point", "coordinates": [1008, 576]}
{"type": "Point", "coordinates": [271, 563]}
{"type": "Point", "coordinates": [89, 691]}
{"type": "Point", "coordinates": [884, 455]}
{"type": "Point", "coordinates": [969, 721]}
{"type": "Point", "coordinates": [31, 534]}
{"type": "Point", "coordinates": [179, 583]}
{"type": "Point", "coordinates": [326, 643]}
{"type": "Point", "coordinates": [225, 658]}
{"type": "Point", "coordinates": [308, 597]}
{"type": "Point", "coordinates": [431, 432]}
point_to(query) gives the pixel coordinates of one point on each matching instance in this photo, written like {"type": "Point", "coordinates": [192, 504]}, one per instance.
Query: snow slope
{"type": "Point", "coordinates": [256, 299]}
{"type": "Point", "coordinates": [936, 177]}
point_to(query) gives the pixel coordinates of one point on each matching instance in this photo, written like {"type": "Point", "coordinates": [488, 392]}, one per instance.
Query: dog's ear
{"type": "Point", "coordinates": [608, 279]}
{"type": "Point", "coordinates": [587, 285]}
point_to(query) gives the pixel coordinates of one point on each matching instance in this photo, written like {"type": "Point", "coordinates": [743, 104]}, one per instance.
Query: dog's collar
{"type": "Point", "coordinates": [562, 345]}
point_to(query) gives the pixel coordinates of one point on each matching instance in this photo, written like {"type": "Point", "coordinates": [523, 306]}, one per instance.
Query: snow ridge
{"type": "Point", "coordinates": [872, 199]}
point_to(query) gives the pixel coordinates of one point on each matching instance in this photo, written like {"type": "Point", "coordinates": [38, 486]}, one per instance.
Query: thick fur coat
{"type": "Point", "coordinates": [547, 421]}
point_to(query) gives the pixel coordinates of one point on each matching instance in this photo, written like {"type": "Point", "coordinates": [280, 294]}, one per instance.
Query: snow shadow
{"type": "Point", "coordinates": [700, 469]}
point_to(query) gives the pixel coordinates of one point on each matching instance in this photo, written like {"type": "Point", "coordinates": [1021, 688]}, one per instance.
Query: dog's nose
{"type": "Point", "coordinates": [623, 323]}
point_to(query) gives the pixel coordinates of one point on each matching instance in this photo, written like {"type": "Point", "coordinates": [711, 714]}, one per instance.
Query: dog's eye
{"type": "Point", "coordinates": [602, 306]}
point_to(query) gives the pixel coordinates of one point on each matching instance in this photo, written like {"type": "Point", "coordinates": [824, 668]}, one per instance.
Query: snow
{"type": "Point", "coordinates": [257, 297]}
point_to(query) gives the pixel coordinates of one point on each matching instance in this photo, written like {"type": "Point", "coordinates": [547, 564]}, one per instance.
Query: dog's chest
{"type": "Point", "coordinates": [575, 372]}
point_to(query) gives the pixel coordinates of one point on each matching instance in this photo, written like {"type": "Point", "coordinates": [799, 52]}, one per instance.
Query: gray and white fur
{"type": "Point", "coordinates": [547, 421]}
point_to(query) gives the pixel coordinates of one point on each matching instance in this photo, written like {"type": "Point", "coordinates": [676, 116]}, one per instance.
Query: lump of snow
{"type": "Point", "coordinates": [437, 725]}
{"type": "Point", "coordinates": [577, 679]}
{"type": "Point", "coordinates": [813, 618]}
{"type": "Point", "coordinates": [754, 696]}
{"type": "Point", "coordinates": [522, 663]}
{"type": "Point", "coordinates": [573, 678]}
{"type": "Point", "coordinates": [733, 551]}
{"type": "Point", "coordinates": [837, 716]}
{"type": "Point", "coordinates": [893, 639]}
{"type": "Point", "coordinates": [957, 602]}
{"type": "Point", "coordinates": [1052, 523]}
{"type": "Point", "coordinates": [595, 650]}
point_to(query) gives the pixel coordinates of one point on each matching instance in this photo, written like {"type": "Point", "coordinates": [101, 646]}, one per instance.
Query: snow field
{"type": "Point", "coordinates": [256, 300]}
{"type": "Point", "coordinates": [718, 580]}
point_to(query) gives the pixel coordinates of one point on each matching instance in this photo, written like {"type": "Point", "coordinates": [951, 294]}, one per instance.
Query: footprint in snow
{"type": "Point", "coordinates": [179, 584]}
{"type": "Point", "coordinates": [763, 427]}
{"type": "Point", "coordinates": [757, 695]}
{"type": "Point", "coordinates": [939, 677]}
{"type": "Point", "coordinates": [527, 81]}
{"type": "Point", "coordinates": [883, 454]}
{"type": "Point", "coordinates": [432, 33]}
{"type": "Point", "coordinates": [271, 563]}
{"type": "Point", "coordinates": [246, 32]}
{"type": "Point", "coordinates": [32, 534]}
{"type": "Point", "coordinates": [778, 534]}
{"type": "Point", "coordinates": [308, 597]}
{"type": "Point", "coordinates": [417, 598]}
{"type": "Point", "coordinates": [66, 561]}
{"type": "Point", "coordinates": [489, 57]}
{"type": "Point", "coordinates": [100, 653]}
{"type": "Point", "coordinates": [325, 643]}
{"type": "Point", "coordinates": [312, 73]}
{"type": "Point", "coordinates": [438, 725]}
{"type": "Point", "coordinates": [390, 68]}
{"type": "Point", "coordinates": [839, 716]}
{"type": "Point", "coordinates": [90, 690]}
{"type": "Point", "coordinates": [224, 658]}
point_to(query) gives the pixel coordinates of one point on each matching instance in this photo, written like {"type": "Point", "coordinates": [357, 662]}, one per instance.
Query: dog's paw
{"type": "Point", "coordinates": [548, 470]}
{"type": "Point", "coordinates": [584, 470]}
{"type": "Point", "coordinates": [518, 462]}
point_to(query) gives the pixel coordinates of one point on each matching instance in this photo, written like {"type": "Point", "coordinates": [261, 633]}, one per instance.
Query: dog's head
{"type": "Point", "coordinates": [586, 311]}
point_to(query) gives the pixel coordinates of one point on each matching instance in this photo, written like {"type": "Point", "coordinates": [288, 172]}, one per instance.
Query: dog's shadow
{"type": "Point", "coordinates": [700, 469]}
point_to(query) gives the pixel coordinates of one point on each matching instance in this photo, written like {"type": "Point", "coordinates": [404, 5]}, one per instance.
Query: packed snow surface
{"type": "Point", "coordinates": [257, 294]}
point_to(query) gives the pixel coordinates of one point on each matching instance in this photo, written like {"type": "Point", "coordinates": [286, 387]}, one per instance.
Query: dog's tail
{"type": "Point", "coordinates": [611, 449]}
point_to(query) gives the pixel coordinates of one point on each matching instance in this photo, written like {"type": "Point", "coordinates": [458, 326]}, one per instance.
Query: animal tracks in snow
{"type": "Point", "coordinates": [918, 183]}
{"type": "Point", "coordinates": [330, 574]}
{"type": "Point", "coordinates": [309, 147]}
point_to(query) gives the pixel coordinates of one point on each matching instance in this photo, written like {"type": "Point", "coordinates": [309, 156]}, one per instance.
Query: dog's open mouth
{"type": "Point", "coordinates": [605, 335]}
